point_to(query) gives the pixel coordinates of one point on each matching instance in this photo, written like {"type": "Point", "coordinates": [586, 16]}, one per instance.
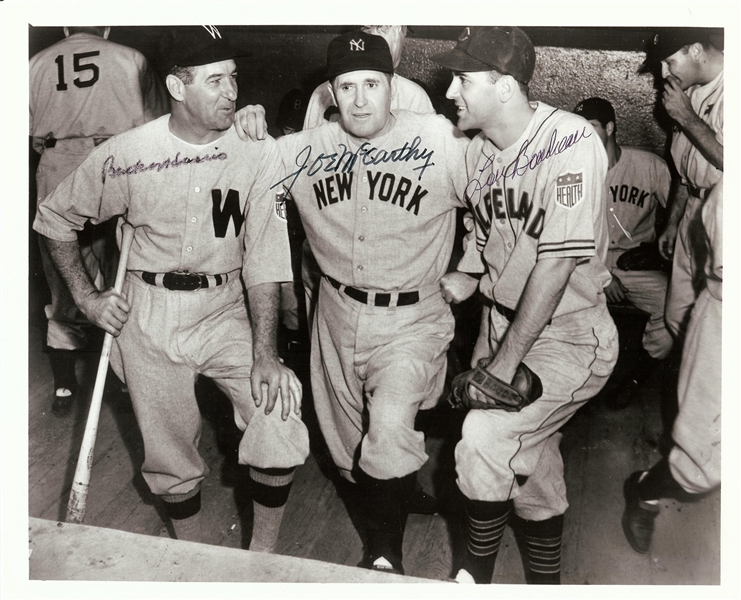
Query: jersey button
{"type": "Point", "coordinates": [189, 248]}
{"type": "Point", "coordinates": [501, 221]}
{"type": "Point", "coordinates": [193, 219]}
{"type": "Point", "coordinates": [365, 180]}
{"type": "Point", "coordinates": [364, 209]}
{"type": "Point", "coordinates": [360, 267]}
{"type": "Point", "coordinates": [361, 238]}
{"type": "Point", "coordinates": [197, 189]}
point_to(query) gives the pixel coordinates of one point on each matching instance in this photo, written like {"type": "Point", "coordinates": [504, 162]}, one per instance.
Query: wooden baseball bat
{"type": "Point", "coordinates": [78, 496]}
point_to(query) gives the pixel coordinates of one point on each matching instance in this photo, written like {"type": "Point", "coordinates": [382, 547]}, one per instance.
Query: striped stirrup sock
{"type": "Point", "coordinates": [270, 489]}
{"type": "Point", "coordinates": [486, 523]}
{"type": "Point", "coordinates": [543, 540]}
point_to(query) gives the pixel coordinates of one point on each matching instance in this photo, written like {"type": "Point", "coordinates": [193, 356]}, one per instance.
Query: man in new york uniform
{"type": "Point", "coordinates": [204, 214]}
{"type": "Point", "coordinates": [536, 177]}
{"type": "Point", "coordinates": [637, 184]}
{"type": "Point", "coordinates": [377, 193]}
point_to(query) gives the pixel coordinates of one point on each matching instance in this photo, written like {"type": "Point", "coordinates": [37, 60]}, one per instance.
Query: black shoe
{"type": "Point", "coordinates": [62, 404]}
{"type": "Point", "coordinates": [639, 516]}
{"type": "Point", "coordinates": [422, 503]}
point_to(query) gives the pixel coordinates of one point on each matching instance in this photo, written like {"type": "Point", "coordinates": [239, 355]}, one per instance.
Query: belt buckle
{"type": "Point", "coordinates": [186, 282]}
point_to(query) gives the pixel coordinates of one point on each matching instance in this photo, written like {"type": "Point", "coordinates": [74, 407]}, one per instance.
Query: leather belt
{"type": "Point", "coordinates": [696, 192]}
{"type": "Point", "coordinates": [185, 282]}
{"type": "Point", "coordinates": [51, 142]}
{"type": "Point", "coordinates": [381, 298]}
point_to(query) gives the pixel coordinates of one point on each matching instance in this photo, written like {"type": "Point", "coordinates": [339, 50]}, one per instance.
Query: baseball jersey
{"type": "Point", "coordinates": [85, 86]}
{"type": "Point", "coordinates": [634, 187]}
{"type": "Point", "coordinates": [409, 96]}
{"type": "Point", "coordinates": [693, 167]}
{"type": "Point", "coordinates": [204, 209]}
{"type": "Point", "coordinates": [542, 197]}
{"type": "Point", "coordinates": [378, 214]}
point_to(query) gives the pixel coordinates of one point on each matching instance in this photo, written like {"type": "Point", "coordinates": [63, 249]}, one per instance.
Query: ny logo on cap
{"type": "Point", "coordinates": [212, 31]}
{"type": "Point", "coordinates": [357, 45]}
{"type": "Point", "coordinates": [465, 34]}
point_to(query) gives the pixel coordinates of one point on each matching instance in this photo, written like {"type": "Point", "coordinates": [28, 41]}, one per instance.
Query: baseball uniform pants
{"type": "Point", "coordinates": [390, 361]}
{"type": "Point", "coordinates": [99, 252]}
{"type": "Point", "coordinates": [695, 458]}
{"type": "Point", "coordinates": [169, 339]}
{"type": "Point", "coordinates": [515, 455]}
{"type": "Point", "coordinates": [647, 291]}
{"type": "Point", "coordinates": [688, 276]}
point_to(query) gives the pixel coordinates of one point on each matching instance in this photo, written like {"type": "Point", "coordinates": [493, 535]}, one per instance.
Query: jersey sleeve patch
{"type": "Point", "coordinates": [280, 206]}
{"type": "Point", "coordinates": [569, 190]}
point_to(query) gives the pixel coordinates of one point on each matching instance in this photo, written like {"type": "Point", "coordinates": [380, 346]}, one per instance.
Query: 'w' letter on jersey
{"type": "Point", "coordinates": [231, 210]}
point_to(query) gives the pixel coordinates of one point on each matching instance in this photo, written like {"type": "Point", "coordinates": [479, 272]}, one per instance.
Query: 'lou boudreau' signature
{"type": "Point", "coordinates": [344, 160]}
{"type": "Point", "coordinates": [524, 162]}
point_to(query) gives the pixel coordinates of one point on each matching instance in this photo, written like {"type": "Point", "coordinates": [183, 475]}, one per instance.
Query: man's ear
{"type": "Point", "coordinates": [696, 50]}
{"type": "Point", "coordinates": [610, 128]}
{"type": "Point", "coordinates": [331, 92]}
{"type": "Point", "coordinates": [176, 87]}
{"type": "Point", "coordinates": [507, 87]}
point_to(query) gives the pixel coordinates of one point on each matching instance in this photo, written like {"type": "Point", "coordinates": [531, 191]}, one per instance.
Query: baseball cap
{"type": "Point", "coordinates": [504, 49]}
{"type": "Point", "coordinates": [193, 46]}
{"type": "Point", "coordinates": [358, 51]}
{"type": "Point", "coordinates": [596, 108]}
{"type": "Point", "coordinates": [668, 40]}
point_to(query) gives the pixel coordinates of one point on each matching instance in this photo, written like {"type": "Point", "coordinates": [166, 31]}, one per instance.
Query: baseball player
{"type": "Point", "coordinates": [83, 90]}
{"type": "Point", "coordinates": [377, 193]}
{"type": "Point", "coordinates": [692, 66]}
{"type": "Point", "coordinates": [637, 183]}
{"type": "Point", "coordinates": [535, 187]}
{"type": "Point", "coordinates": [409, 95]}
{"type": "Point", "coordinates": [693, 463]}
{"type": "Point", "coordinates": [200, 201]}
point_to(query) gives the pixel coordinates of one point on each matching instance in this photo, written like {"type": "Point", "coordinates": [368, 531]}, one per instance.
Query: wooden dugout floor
{"type": "Point", "coordinates": [601, 447]}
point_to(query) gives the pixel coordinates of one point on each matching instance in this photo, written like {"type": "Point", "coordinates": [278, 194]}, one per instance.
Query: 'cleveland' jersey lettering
{"type": "Point", "coordinates": [230, 210]}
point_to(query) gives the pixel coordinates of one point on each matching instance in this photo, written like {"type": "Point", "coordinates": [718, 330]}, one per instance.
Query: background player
{"type": "Point", "coordinates": [83, 90]}
{"type": "Point", "coordinates": [185, 182]}
{"type": "Point", "coordinates": [637, 184]}
{"type": "Point", "coordinates": [540, 233]}
{"type": "Point", "coordinates": [377, 193]}
{"type": "Point", "coordinates": [692, 66]}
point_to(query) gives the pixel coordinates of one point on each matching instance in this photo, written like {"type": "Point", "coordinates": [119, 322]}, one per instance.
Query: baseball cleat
{"type": "Point", "coordinates": [63, 400]}
{"type": "Point", "coordinates": [639, 516]}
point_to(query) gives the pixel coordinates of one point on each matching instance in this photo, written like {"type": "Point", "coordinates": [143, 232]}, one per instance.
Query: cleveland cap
{"type": "Point", "coordinates": [507, 50]}
{"type": "Point", "coordinates": [668, 40]}
{"type": "Point", "coordinates": [358, 51]}
{"type": "Point", "coordinates": [596, 109]}
{"type": "Point", "coordinates": [193, 46]}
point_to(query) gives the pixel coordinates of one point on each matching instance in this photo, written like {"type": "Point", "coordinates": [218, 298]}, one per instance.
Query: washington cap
{"type": "Point", "coordinates": [193, 46]}
{"type": "Point", "coordinates": [504, 49]}
{"type": "Point", "coordinates": [596, 109]}
{"type": "Point", "coordinates": [358, 51]}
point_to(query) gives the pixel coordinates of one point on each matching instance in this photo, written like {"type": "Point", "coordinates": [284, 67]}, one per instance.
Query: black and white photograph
{"type": "Point", "coordinates": [290, 299]}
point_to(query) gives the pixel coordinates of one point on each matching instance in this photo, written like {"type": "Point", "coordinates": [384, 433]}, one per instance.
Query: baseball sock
{"type": "Point", "coordinates": [658, 482]}
{"type": "Point", "coordinates": [184, 511]}
{"type": "Point", "coordinates": [543, 540]}
{"type": "Point", "coordinates": [486, 523]}
{"type": "Point", "coordinates": [63, 368]}
{"type": "Point", "coordinates": [270, 489]}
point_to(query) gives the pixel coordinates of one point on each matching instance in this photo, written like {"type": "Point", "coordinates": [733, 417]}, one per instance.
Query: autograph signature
{"type": "Point", "coordinates": [526, 160]}
{"type": "Point", "coordinates": [111, 170]}
{"type": "Point", "coordinates": [366, 154]}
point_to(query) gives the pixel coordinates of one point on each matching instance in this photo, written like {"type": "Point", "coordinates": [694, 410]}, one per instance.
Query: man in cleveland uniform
{"type": "Point", "coordinates": [536, 182]}
{"type": "Point", "coordinates": [637, 183]}
{"type": "Point", "coordinates": [83, 90]}
{"type": "Point", "coordinates": [692, 66]}
{"type": "Point", "coordinates": [377, 193]}
{"type": "Point", "coordinates": [200, 201]}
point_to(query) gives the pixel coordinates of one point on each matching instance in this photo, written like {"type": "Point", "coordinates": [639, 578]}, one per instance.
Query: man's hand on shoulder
{"type": "Point", "coordinates": [250, 123]}
{"type": "Point", "coordinates": [108, 310]}
{"type": "Point", "coordinates": [271, 380]}
{"type": "Point", "coordinates": [457, 287]}
{"type": "Point", "coordinates": [615, 291]}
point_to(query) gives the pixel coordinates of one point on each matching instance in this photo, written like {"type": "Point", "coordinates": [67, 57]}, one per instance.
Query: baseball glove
{"type": "Point", "coordinates": [645, 257]}
{"type": "Point", "coordinates": [524, 389]}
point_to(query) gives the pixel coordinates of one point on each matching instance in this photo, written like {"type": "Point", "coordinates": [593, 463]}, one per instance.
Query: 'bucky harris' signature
{"type": "Point", "coordinates": [527, 160]}
{"type": "Point", "coordinates": [344, 160]}
{"type": "Point", "coordinates": [110, 169]}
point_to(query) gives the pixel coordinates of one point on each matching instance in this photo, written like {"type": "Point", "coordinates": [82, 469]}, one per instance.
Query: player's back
{"type": "Point", "coordinates": [85, 86]}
